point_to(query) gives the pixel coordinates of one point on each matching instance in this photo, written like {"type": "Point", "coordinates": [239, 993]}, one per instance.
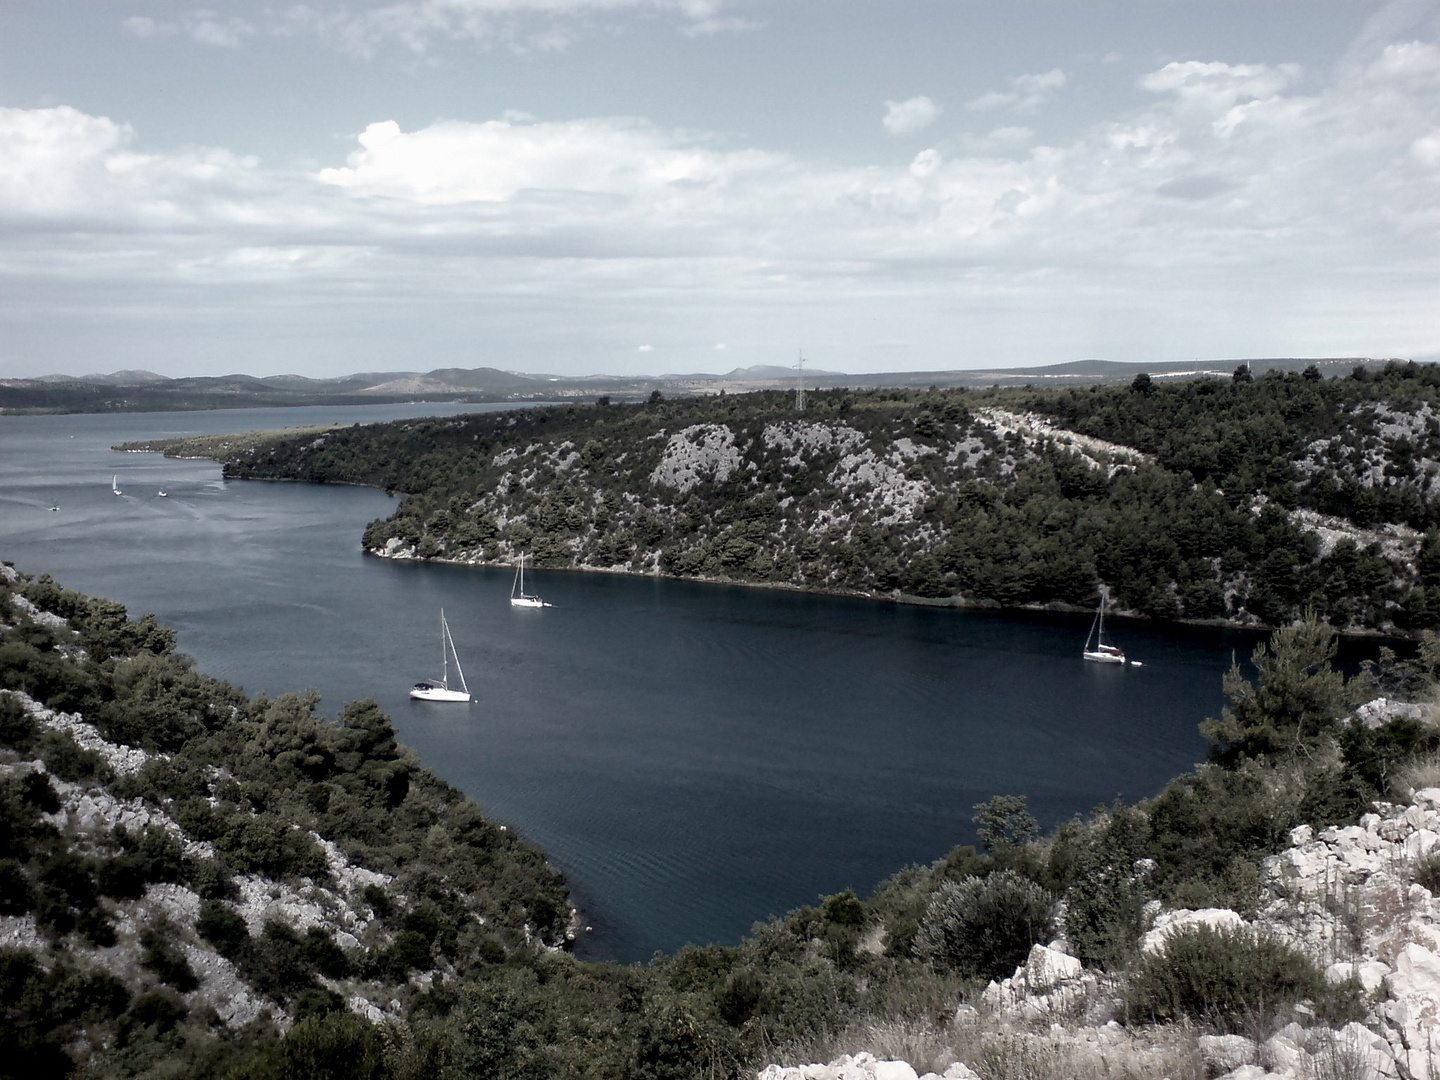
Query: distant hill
{"type": "Point", "coordinates": [145, 391]}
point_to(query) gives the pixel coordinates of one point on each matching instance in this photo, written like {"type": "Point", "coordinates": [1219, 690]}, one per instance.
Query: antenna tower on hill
{"type": "Point", "coordinates": [800, 384]}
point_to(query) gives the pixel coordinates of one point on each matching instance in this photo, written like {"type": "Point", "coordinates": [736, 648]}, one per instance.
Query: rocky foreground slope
{"type": "Point", "coordinates": [1361, 899]}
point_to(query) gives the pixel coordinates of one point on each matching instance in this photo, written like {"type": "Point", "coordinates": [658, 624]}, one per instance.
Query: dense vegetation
{"type": "Point", "coordinates": [1250, 499]}
{"type": "Point", "coordinates": [496, 1002]}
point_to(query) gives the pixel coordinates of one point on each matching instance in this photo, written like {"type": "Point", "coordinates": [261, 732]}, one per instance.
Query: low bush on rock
{"type": "Point", "coordinates": [983, 927]}
{"type": "Point", "coordinates": [1234, 980]}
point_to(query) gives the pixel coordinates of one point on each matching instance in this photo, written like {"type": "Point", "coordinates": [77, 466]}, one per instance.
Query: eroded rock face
{"type": "Point", "coordinates": [88, 812]}
{"type": "Point", "coordinates": [701, 453]}
{"type": "Point", "coordinates": [1348, 895]}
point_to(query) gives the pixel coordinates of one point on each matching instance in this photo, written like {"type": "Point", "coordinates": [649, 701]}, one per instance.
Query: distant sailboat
{"type": "Point", "coordinates": [162, 493]}
{"type": "Point", "coordinates": [1096, 647]}
{"type": "Point", "coordinates": [518, 596]}
{"type": "Point", "coordinates": [115, 484]}
{"type": "Point", "coordinates": [433, 691]}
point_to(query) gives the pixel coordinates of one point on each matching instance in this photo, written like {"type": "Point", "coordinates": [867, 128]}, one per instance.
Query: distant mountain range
{"type": "Point", "coordinates": [146, 391]}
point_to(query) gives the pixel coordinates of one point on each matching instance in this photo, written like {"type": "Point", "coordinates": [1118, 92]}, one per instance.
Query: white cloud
{"type": "Point", "coordinates": [1216, 86]}
{"type": "Point", "coordinates": [646, 348]}
{"type": "Point", "coordinates": [1026, 94]}
{"type": "Point", "coordinates": [1311, 211]}
{"type": "Point", "coordinates": [203, 26]}
{"type": "Point", "coordinates": [909, 115]}
{"type": "Point", "coordinates": [143, 26]}
{"type": "Point", "coordinates": [418, 26]}
{"type": "Point", "coordinates": [926, 163]}
{"type": "Point", "coordinates": [1426, 149]}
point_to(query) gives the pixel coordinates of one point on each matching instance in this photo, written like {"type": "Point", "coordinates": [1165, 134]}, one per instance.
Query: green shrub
{"type": "Point", "coordinates": [1426, 872]}
{"type": "Point", "coordinates": [327, 957]}
{"type": "Point", "coordinates": [1107, 895]}
{"type": "Point", "coordinates": [275, 962]}
{"type": "Point", "coordinates": [984, 927]}
{"type": "Point", "coordinates": [338, 1045]}
{"type": "Point", "coordinates": [17, 728]}
{"type": "Point", "coordinates": [164, 957]}
{"type": "Point", "coordinates": [15, 895]}
{"type": "Point", "coordinates": [65, 758]}
{"type": "Point", "coordinates": [1233, 980]}
{"type": "Point", "coordinates": [223, 927]}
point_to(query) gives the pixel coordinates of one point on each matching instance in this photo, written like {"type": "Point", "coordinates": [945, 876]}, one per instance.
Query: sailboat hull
{"type": "Point", "coordinates": [1104, 657]}
{"type": "Point", "coordinates": [430, 692]}
{"type": "Point", "coordinates": [518, 596]}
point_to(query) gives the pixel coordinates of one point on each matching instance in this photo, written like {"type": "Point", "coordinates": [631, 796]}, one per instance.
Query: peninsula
{"type": "Point", "coordinates": [1247, 499]}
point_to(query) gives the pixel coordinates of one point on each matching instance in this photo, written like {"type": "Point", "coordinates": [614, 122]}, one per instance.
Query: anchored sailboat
{"type": "Point", "coordinates": [518, 596]}
{"type": "Point", "coordinates": [433, 691]}
{"type": "Point", "coordinates": [1096, 647]}
{"type": "Point", "coordinates": [115, 484]}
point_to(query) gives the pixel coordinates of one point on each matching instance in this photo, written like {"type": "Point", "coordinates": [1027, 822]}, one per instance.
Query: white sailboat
{"type": "Point", "coordinates": [1096, 647]}
{"type": "Point", "coordinates": [115, 484]}
{"type": "Point", "coordinates": [518, 596]}
{"type": "Point", "coordinates": [433, 691]}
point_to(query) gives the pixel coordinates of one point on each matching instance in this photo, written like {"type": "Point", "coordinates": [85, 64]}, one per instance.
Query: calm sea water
{"type": "Point", "coordinates": [694, 757]}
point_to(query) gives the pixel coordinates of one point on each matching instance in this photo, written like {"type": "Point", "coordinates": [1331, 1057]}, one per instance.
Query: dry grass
{"type": "Point", "coordinates": [1423, 772]}
{"type": "Point", "coordinates": [1341, 1059]}
{"type": "Point", "coordinates": [1017, 1053]}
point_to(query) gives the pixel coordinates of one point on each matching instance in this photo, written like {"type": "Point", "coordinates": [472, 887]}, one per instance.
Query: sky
{"type": "Point", "coordinates": [670, 186]}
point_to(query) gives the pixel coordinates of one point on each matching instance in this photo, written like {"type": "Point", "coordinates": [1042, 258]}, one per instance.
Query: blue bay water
{"type": "Point", "coordinates": [694, 757]}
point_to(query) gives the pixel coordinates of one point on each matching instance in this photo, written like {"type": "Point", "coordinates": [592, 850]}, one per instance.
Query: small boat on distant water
{"type": "Point", "coordinates": [1096, 647]}
{"type": "Point", "coordinates": [163, 493]}
{"type": "Point", "coordinates": [518, 596]}
{"type": "Point", "coordinates": [433, 691]}
{"type": "Point", "coordinates": [115, 484]}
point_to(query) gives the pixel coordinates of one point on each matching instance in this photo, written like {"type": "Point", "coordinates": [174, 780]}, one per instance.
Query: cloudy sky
{"type": "Point", "coordinates": [648, 186]}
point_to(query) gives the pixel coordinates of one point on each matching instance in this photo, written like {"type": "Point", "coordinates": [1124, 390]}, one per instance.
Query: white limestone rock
{"type": "Point", "coordinates": [1222, 1053]}
{"type": "Point", "coordinates": [1381, 711]}
{"type": "Point", "coordinates": [124, 760]}
{"type": "Point", "coordinates": [861, 1066]}
{"type": "Point", "coordinates": [701, 453]}
{"type": "Point", "coordinates": [1045, 968]}
{"type": "Point", "coordinates": [19, 932]}
{"type": "Point", "coordinates": [175, 902]}
{"type": "Point", "coordinates": [1370, 973]}
{"type": "Point", "coordinates": [1287, 1057]}
{"type": "Point", "coordinates": [1420, 843]}
{"type": "Point", "coordinates": [1171, 921]}
{"type": "Point", "coordinates": [893, 1070]}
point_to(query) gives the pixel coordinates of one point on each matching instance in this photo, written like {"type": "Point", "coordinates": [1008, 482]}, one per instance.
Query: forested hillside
{"type": "Point", "coordinates": [1252, 499]}
{"type": "Point", "coordinates": [196, 883]}
{"type": "Point", "coordinates": [186, 871]}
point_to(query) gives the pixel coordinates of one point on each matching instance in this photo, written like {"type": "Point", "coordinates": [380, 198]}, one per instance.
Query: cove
{"type": "Point", "coordinates": [694, 757]}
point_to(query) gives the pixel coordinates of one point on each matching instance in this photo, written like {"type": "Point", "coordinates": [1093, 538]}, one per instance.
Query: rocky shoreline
{"type": "Point", "coordinates": [400, 553]}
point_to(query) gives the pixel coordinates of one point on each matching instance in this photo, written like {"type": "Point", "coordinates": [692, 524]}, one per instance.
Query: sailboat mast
{"type": "Point", "coordinates": [451, 642]}
{"type": "Point", "coordinates": [444, 651]}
